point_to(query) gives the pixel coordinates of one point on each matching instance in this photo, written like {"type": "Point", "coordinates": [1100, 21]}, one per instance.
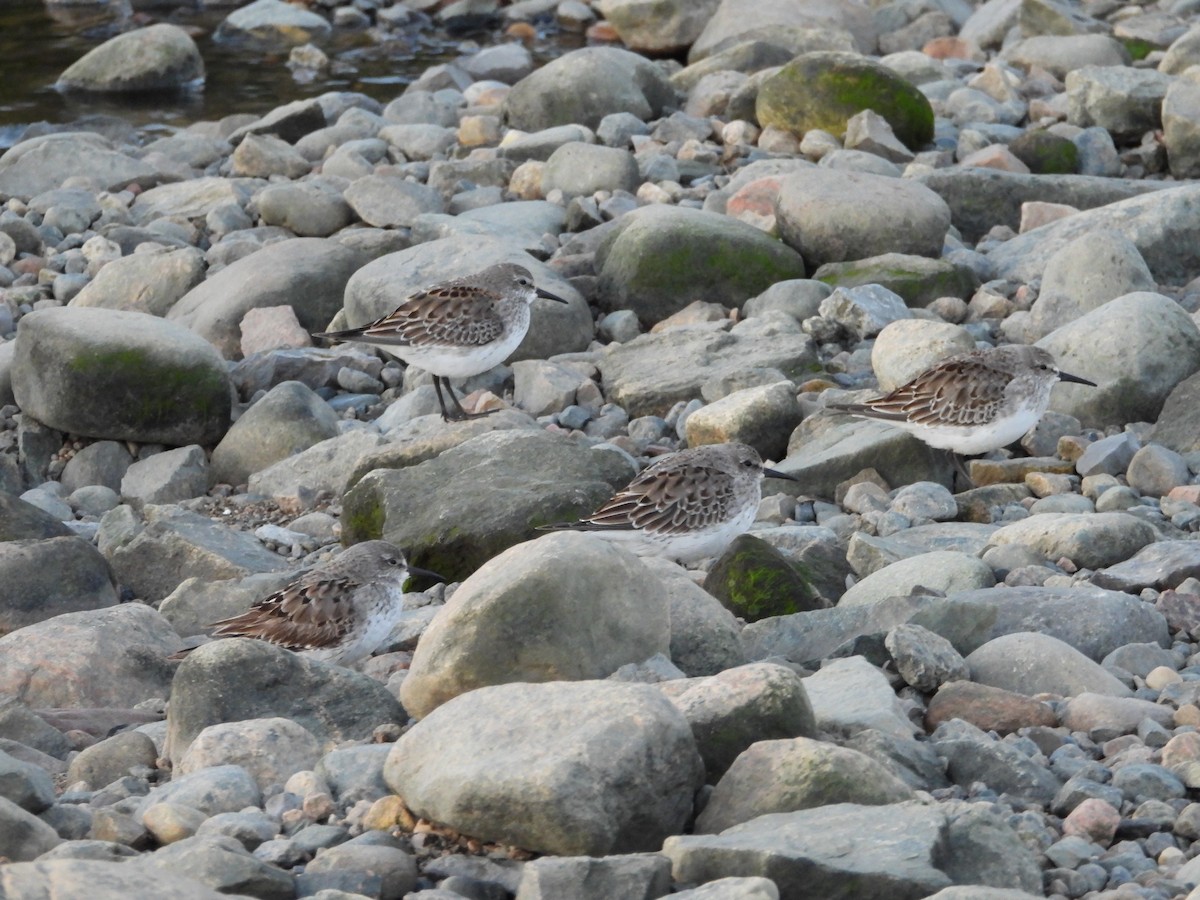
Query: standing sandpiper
{"type": "Point", "coordinates": [973, 402]}
{"type": "Point", "coordinates": [337, 612]}
{"type": "Point", "coordinates": [685, 506]}
{"type": "Point", "coordinates": [457, 328]}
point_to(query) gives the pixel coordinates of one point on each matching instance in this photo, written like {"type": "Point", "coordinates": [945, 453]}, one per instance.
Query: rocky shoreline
{"type": "Point", "coordinates": [895, 686]}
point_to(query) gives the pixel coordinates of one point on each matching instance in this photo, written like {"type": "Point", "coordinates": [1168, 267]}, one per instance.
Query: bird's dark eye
{"type": "Point", "coordinates": [392, 561]}
{"type": "Point", "coordinates": [749, 463]}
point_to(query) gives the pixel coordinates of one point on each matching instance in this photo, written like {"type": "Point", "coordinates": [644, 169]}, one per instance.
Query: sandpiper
{"type": "Point", "coordinates": [456, 328]}
{"type": "Point", "coordinates": [686, 505]}
{"type": "Point", "coordinates": [338, 612]}
{"type": "Point", "coordinates": [973, 402]}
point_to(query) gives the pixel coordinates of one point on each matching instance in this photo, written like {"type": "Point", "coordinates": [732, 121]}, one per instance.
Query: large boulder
{"type": "Point", "coordinates": [832, 216]}
{"type": "Point", "coordinates": [116, 656]}
{"type": "Point", "coordinates": [456, 511]}
{"type": "Point", "coordinates": [307, 274]}
{"type": "Point", "coordinates": [99, 880]}
{"type": "Point", "coordinates": [383, 284]}
{"type": "Point", "coordinates": [576, 768]}
{"type": "Point", "coordinates": [144, 282]}
{"type": "Point", "coordinates": [661, 258]}
{"type": "Point", "coordinates": [584, 86]}
{"type": "Point", "coordinates": [43, 578]}
{"type": "Point", "coordinates": [107, 373]}
{"type": "Point", "coordinates": [272, 24]}
{"type": "Point", "coordinates": [584, 607]}
{"type": "Point", "coordinates": [238, 679]}
{"type": "Point", "coordinates": [826, 88]}
{"type": "Point", "coordinates": [1136, 349]}
{"type": "Point", "coordinates": [156, 58]}
{"type": "Point", "coordinates": [43, 163]}
{"type": "Point", "coordinates": [652, 26]}
{"type": "Point", "coordinates": [770, 20]}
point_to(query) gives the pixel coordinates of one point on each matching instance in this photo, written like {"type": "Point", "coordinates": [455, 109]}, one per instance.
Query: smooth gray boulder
{"type": "Point", "coordinates": [308, 274]}
{"type": "Point", "coordinates": [144, 282]}
{"type": "Point", "coordinates": [43, 163]}
{"type": "Point", "coordinates": [44, 578]}
{"type": "Point", "coordinates": [107, 373]}
{"type": "Point", "coordinates": [158, 57]}
{"type": "Point", "coordinates": [737, 20]}
{"type": "Point", "coordinates": [238, 679]}
{"type": "Point", "coordinates": [584, 607]}
{"type": "Point", "coordinates": [1031, 663]}
{"type": "Point", "coordinates": [570, 768]}
{"type": "Point", "coordinates": [585, 85]}
{"type": "Point", "coordinates": [99, 880]}
{"type": "Point", "coordinates": [272, 24]}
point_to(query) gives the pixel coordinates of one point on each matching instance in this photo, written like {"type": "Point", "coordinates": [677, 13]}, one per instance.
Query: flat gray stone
{"type": "Point", "coordinates": [1028, 662]}
{"type": "Point", "coordinates": [1163, 564]}
{"type": "Point", "coordinates": [43, 163]}
{"type": "Point", "coordinates": [1090, 540]}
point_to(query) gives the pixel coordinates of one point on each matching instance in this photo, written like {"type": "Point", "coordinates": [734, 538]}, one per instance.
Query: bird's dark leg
{"type": "Point", "coordinates": [461, 413]}
{"type": "Point", "coordinates": [447, 416]}
{"type": "Point", "coordinates": [960, 469]}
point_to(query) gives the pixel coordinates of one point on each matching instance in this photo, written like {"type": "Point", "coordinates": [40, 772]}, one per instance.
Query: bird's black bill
{"type": "Point", "coordinates": [548, 296]}
{"type": "Point", "coordinates": [1075, 379]}
{"type": "Point", "coordinates": [415, 572]}
{"type": "Point", "coordinates": [775, 473]}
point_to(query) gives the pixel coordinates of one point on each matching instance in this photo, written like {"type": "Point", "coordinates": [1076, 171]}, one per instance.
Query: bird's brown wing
{"type": "Point", "coordinates": [449, 314]}
{"type": "Point", "coordinates": [956, 392]}
{"type": "Point", "coordinates": [312, 613]}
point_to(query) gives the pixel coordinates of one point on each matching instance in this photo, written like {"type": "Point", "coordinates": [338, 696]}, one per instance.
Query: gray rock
{"type": "Point", "coordinates": [48, 577]}
{"type": "Point", "coordinates": [272, 24]}
{"type": "Point", "coordinates": [221, 863]}
{"type": "Point", "coordinates": [43, 163]}
{"type": "Point", "coordinates": [1115, 715]}
{"type": "Point", "coordinates": [122, 375]}
{"type": "Point", "coordinates": [1161, 565]}
{"type": "Point", "coordinates": [1155, 469]}
{"type": "Point", "coordinates": [582, 169]}
{"type": "Point", "coordinates": [105, 657]}
{"type": "Point", "coordinates": [850, 695]}
{"type": "Point", "coordinates": [1121, 99]}
{"type": "Point", "coordinates": [23, 836]}
{"type": "Point", "coordinates": [1063, 53]}
{"type": "Point", "coordinates": [983, 848]}
{"type": "Point", "coordinates": [1090, 540]}
{"type": "Point", "coordinates": [270, 749]}
{"type": "Point", "coordinates": [704, 634]}
{"type": "Point", "coordinates": [972, 755]}
{"type": "Point", "coordinates": [583, 86]}
{"type": "Point", "coordinates": [585, 607]}
{"type": "Point", "coordinates": [388, 870]}
{"type": "Point", "coordinates": [389, 201]}
{"type": "Point", "coordinates": [453, 525]}
{"type": "Point", "coordinates": [333, 703]}
{"type": "Point", "coordinates": [251, 829]}
{"type": "Point", "coordinates": [658, 29]}
{"type": "Point", "coordinates": [1108, 456]}
{"type": "Point", "coordinates": [308, 209]}
{"type": "Point", "coordinates": [167, 477]}
{"type": "Point", "coordinates": [355, 773]}
{"type": "Point", "coordinates": [1084, 275]}
{"type": "Point", "coordinates": [904, 348]}
{"type": "Point", "coordinates": [760, 416]}
{"type": "Point", "coordinates": [884, 851]}
{"type": "Point", "coordinates": [733, 888]}
{"type": "Point", "coordinates": [634, 876]}
{"type": "Point", "coordinates": [106, 761]}
{"type": "Point", "coordinates": [265, 155]}
{"type": "Point", "coordinates": [799, 298]}
{"type": "Point", "coordinates": [419, 141]}
{"type": "Point", "coordinates": [542, 144]}
{"type": "Point", "coordinates": [924, 659]}
{"type": "Point", "coordinates": [101, 880]}
{"type": "Point", "coordinates": [945, 571]}
{"type": "Point", "coordinates": [191, 199]}
{"type": "Point", "coordinates": [176, 545]}
{"type": "Point", "coordinates": [508, 63]}
{"type": "Point", "coordinates": [1028, 662]}
{"type": "Point", "coordinates": [459, 766]}
{"type": "Point", "coordinates": [831, 216]}
{"type": "Point", "coordinates": [737, 20]}
{"type": "Point", "coordinates": [148, 282]}
{"type": "Point", "coordinates": [1178, 425]}
{"type": "Point", "coordinates": [210, 791]}
{"type": "Point", "coordinates": [773, 776]}
{"type": "Point", "coordinates": [18, 723]}
{"type": "Point", "coordinates": [1093, 621]}
{"type": "Point", "coordinates": [327, 466]}
{"type": "Point", "coordinates": [26, 785]}
{"type": "Point", "coordinates": [649, 374]}
{"type": "Point", "coordinates": [731, 710]}
{"type": "Point", "coordinates": [288, 420]}
{"type": "Point", "coordinates": [307, 274]}
{"type": "Point", "coordinates": [380, 286]}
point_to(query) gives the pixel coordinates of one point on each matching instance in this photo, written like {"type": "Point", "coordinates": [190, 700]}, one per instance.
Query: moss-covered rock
{"type": "Point", "coordinates": [661, 258]}
{"type": "Point", "coordinates": [918, 279]}
{"type": "Point", "coordinates": [108, 373]}
{"type": "Point", "coordinates": [1046, 153]}
{"type": "Point", "coordinates": [756, 581]}
{"type": "Point", "coordinates": [824, 89]}
{"type": "Point", "coordinates": [453, 513]}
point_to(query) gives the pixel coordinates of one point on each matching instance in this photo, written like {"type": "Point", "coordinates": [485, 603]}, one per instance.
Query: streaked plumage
{"type": "Point", "coordinates": [457, 328]}
{"type": "Point", "coordinates": [973, 402]}
{"type": "Point", "coordinates": [339, 611]}
{"type": "Point", "coordinates": [686, 505]}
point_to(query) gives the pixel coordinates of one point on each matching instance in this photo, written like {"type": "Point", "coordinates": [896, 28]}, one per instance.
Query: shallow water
{"type": "Point", "coordinates": [35, 48]}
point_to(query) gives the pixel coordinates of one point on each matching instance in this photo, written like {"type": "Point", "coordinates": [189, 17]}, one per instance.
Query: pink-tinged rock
{"type": "Point", "coordinates": [1189, 493]}
{"type": "Point", "coordinates": [1036, 213]}
{"type": "Point", "coordinates": [950, 47]}
{"type": "Point", "coordinates": [754, 204]}
{"type": "Point", "coordinates": [995, 156]}
{"type": "Point", "coordinates": [272, 328]}
{"type": "Point", "coordinates": [1093, 819]}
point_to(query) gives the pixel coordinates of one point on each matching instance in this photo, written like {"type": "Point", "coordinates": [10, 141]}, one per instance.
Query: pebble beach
{"type": "Point", "coordinates": [904, 681]}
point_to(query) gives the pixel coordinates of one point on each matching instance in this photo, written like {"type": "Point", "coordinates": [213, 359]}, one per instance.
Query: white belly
{"type": "Point", "coordinates": [969, 440]}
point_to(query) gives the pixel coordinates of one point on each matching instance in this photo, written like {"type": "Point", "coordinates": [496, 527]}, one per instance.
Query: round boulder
{"type": "Point", "coordinates": [572, 768]}
{"type": "Point", "coordinates": [583, 607]}
{"type": "Point", "coordinates": [43, 578]}
{"type": "Point", "coordinates": [156, 58]}
{"type": "Point", "coordinates": [584, 86]}
{"type": "Point", "coordinates": [826, 88]}
{"type": "Point", "coordinates": [109, 373]}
